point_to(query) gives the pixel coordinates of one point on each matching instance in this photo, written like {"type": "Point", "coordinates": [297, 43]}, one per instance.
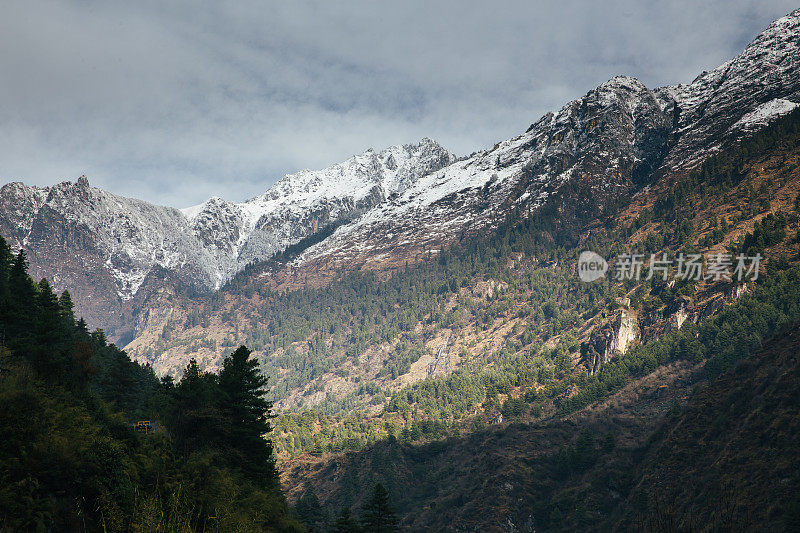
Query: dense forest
{"type": "Point", "coordinates": [95, 442]}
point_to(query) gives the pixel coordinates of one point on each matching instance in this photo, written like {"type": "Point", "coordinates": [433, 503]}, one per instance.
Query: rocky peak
{"type": "Point", "coordinates": [746, 92]}
{"type": "Point", "coordinates": [588, 155]}
{"type": "Point", "coordinates": [304, 202]}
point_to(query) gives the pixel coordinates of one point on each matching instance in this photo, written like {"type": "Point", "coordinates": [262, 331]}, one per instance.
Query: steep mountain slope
{"type": "Point", "coordinates": [104, 248]}
{"type": "Point", "coordinates": [669, 452]}
{"type": "Point", "coordinates": [593, 150]}
{"type": "Point", "coordinates": [739, 96]}
{"type": "Point", "coordinates": [393, 208]}
{"type": "Point", "coordinates": [572, 169]}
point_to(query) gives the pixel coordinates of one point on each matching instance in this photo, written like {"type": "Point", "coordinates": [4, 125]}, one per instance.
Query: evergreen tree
{"type": "Point", "coordinates": [345, 523]}
{"type": "Point", "coordinates": [309, 508]}
{"type": "Point", "coordinates": [377, 516]}
{"type": "Point", "coordinates": [6, 260]}
{"type": "Point", "coordinates": [48, 348]}
{"type": "Point", "coordinates": [49, 309]}
{"type": "Point", "coordinates": [67, 307]}
{"type": "Point", "coordinates": [243, 402]}
{"type": "Point", "coordinates": [197, 420]}
{"type": "Point", "coordinates": [21, 298]}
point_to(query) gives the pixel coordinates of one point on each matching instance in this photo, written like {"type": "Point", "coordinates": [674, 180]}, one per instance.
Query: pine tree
{"type": "Point", "coordinates": [243, 402]}
{"type": "Point", "coordinates": [377, 515]}
{"type": "Point", "coordinates": [22, 298]}
{"type": "Point", "coordinates": [345, 523]}
{"type": "Point", "coordinates": [197, 419]}
{"type": "Point", "coordinates": [6, 260]}
{"type": "Point", "coordinates": [67, 307]}
{"type": "Point", "coordinates": [49, 309]}
{"type": "Point", "coordinates": [48, 348]}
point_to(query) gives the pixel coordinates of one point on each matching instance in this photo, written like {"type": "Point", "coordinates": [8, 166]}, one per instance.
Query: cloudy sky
{"type": "Point", "coordinates": [173, 105]}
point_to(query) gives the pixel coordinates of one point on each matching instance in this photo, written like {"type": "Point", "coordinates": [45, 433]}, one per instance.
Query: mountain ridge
{"type": "Point", "coordinates": [583, 159]}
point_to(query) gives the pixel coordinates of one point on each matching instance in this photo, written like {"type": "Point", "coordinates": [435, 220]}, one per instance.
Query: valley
{"type": "Point", "coordinates": [419, 323]}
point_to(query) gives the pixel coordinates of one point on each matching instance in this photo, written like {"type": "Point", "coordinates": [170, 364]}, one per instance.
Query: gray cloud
{"type": "Point", "coordinates": [176, 104]}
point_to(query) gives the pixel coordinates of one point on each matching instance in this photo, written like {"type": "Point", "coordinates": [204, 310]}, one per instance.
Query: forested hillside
{"type": "Point", "coordinates": [668, 452]}
{"type": "Point", "coordinates": [470, 332]}
{"type": "Point", "coordinates": [72, 458]}
{"type": "Point", "coordinates": [743, 200]}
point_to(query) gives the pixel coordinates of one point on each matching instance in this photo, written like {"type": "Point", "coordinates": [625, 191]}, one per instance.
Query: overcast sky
{"type": "Point", "coordinates": [173, 105]}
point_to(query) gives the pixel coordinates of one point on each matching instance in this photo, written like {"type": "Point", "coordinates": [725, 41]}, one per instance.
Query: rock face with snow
{"type": "Point", "coordinates": [739, 96]}
{"type": "Point", "coordinates": [584, 158]}
{"type": "Point", "coordinates": [595, 150]}
{"type": "Point", "coordinates": [303, 203]}
{"type": "Point", "coordinates": [115, 253]}
{"type": "Point", "coordinates": [102, 247]}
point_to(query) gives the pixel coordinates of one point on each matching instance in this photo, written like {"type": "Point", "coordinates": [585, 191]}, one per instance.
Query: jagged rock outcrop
{"type": "Point", "coordinates": [677, 312]}
{"type": "Point", "coordinates": [613, 338]}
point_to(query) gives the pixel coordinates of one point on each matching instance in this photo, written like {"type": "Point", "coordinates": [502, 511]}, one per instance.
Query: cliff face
{"type": "Point", "coordinates": [613, 338]}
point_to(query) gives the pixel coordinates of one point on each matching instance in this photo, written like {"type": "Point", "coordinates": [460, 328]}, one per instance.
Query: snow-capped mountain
{"type": "Point", "coordinates": [590, 153]}
{"type": "Point", "coordinates": [300, 204]}
{"type": "Point", "coordinates": [105, 248]}
{"type": "Point", "coordinates": [405, 200]}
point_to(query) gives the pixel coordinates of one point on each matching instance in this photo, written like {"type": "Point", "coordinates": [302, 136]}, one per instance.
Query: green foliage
{"type": "Point", "coordinates": [242, 401]}
{"type": "Point", "coordinates": [735, 333]}
{"type": "Point", "coordinates": [767, 232]}
{"type": "Point", "coordinates": [513, 408]}
{"type": "Point", "coordinates": [577, 457]}
{"type": "Point", "coordinates": [377, 515]}
{"type": "Point", "coordinates": [71, 460]}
